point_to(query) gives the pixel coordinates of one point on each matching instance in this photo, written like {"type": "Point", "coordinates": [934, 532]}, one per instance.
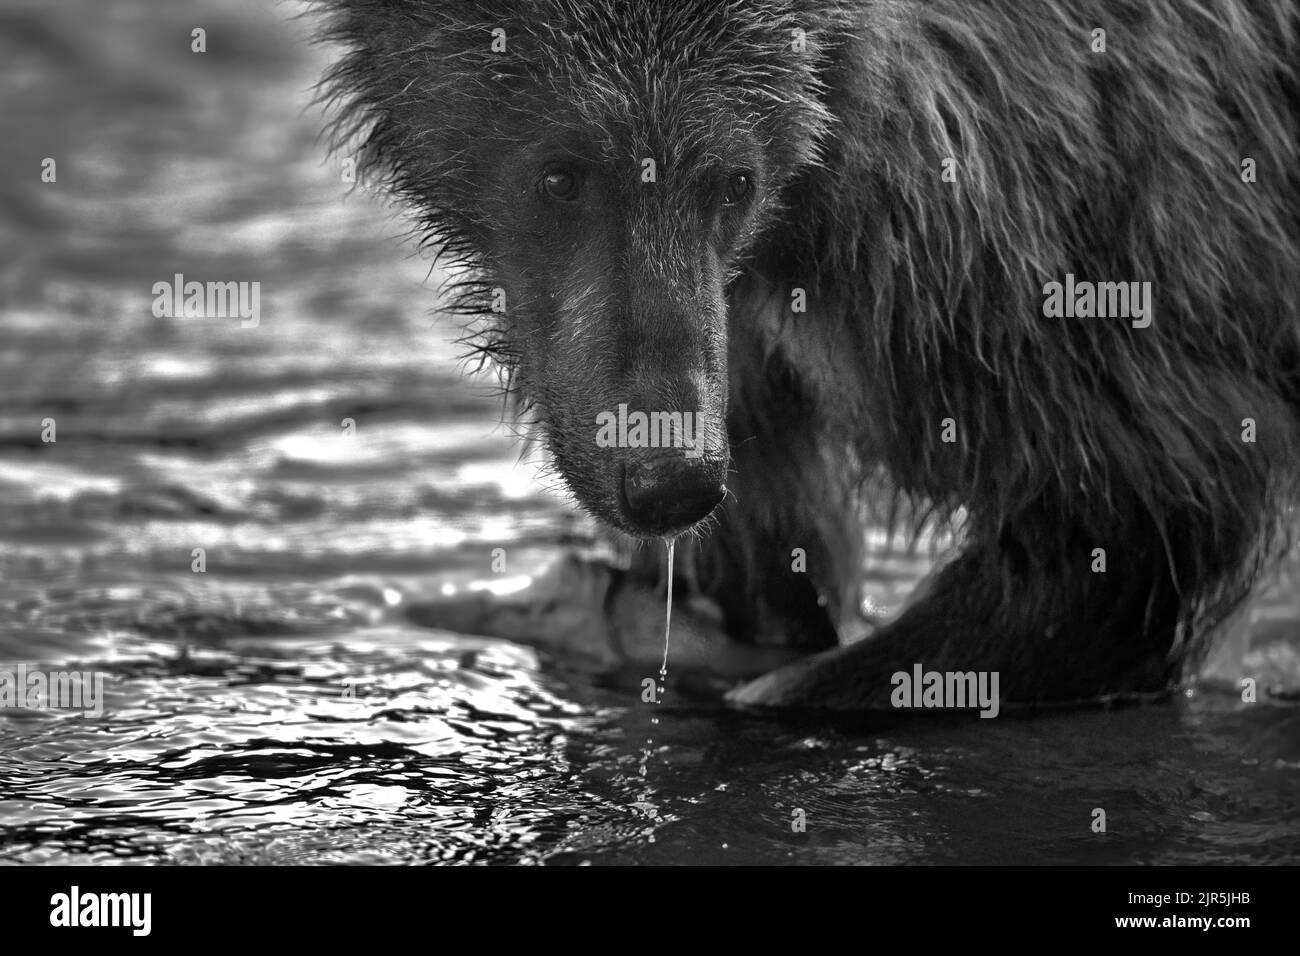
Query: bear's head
{"type": "Point", "coordinates": [595, 173]}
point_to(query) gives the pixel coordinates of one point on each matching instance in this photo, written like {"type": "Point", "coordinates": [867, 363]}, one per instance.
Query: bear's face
{"type": "Point", "coordinates": [601, 169]}
{"type": "Point", "coordinates": [613, 248]}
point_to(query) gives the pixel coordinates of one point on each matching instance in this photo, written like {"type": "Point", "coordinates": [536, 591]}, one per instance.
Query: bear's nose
{"type": "Point", "coordinates": [669, 493]}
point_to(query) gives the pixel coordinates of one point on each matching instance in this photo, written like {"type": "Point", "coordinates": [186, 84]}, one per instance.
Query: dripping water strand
{"type": "Point", "coordinates": [668, 613]}
{"type": "Point", "coordinates": [646, 803]}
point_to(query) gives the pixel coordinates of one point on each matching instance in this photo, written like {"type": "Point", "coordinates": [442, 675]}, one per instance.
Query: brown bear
{"type": "Point", "coordinates": [1034, 266]}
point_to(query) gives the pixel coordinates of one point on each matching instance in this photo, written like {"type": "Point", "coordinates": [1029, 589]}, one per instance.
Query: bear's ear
{"type": "Point", "coordinates": [411, 68]}
{"type": "Point", "coordinates": [377, 7]}
{"type": "Point", "coordinates": [416, 98]}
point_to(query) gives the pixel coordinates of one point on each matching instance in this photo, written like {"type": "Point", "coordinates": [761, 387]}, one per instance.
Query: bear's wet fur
{"type": "Point", "coordinates": [1113, 159]}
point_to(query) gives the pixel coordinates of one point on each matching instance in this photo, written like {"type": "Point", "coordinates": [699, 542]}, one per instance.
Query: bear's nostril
{"type": "Point", "coordinates": [669, 493]}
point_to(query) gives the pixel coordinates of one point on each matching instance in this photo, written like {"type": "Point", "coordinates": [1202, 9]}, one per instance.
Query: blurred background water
{"type": "Point", "coordinates": [283, 706]}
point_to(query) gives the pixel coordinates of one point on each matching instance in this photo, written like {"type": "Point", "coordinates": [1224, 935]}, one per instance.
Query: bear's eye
{"type": "Point", "coordinates": [561, 184]}
{"type": "Point", "coordinates": [739, 186]}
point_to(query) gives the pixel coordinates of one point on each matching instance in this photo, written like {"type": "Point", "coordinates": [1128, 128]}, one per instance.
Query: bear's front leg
{"type": "Point", "coordinates": [1054, 633]}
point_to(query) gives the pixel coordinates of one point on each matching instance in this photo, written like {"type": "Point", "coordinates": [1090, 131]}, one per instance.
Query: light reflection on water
{"type": "Point", "coordinates": [281, 706]}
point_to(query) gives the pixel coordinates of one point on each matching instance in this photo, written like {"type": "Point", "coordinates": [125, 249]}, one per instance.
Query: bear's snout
{"type": "Point", "coordinates": [668, 492]}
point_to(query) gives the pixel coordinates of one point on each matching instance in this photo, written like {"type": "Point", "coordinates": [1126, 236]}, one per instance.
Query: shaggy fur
{"type": "Point", "coordinates": [925, 298]}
